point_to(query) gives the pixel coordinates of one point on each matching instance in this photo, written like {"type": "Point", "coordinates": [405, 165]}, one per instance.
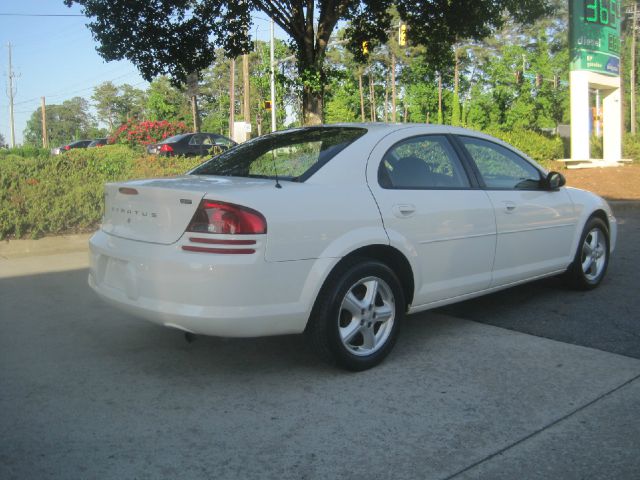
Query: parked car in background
{"type": "Point", "coordinates": [98, 142]}
{"type": "Point", "coordinates": [70, 146]}
{"type": "Point", "coordinates": [191, 145]}
{"type": "Point", "coordinates": [339, 231]}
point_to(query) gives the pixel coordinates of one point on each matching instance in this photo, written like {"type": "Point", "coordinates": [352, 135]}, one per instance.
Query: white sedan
{"type": "Point", "coordinates": [339, 231]}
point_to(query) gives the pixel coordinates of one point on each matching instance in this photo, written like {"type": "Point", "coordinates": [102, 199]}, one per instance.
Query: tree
{"type": "Point", "coordinates": [166, 102]}
{"type": "Point", "coordinates": [133, 103]}
{"type": "Point", "coordinates": [115, 105]}
{"type": "Point", "coordinates": [2, 141]}
{"type": "Point", "coordinates": [497, 100]}
{"type": "Point", "coordinates": [106, 101]}
{"type": "Point", "coordinates": [66, 122]}
{"type": "Point", "coordinates": [178, 37]}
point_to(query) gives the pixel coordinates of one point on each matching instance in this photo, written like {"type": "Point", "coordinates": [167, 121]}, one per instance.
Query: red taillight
{"type": "Point", "coordinates": [166, 148]}
{"type": "Point", "coordinates": [227, 218]}
{"type": "Point", "coordinates": [67, 147]}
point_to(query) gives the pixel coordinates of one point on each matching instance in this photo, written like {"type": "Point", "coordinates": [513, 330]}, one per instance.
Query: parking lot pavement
{"type": "Point", "coordinates": [88, 392]}
{"type": "Point", "coordinates": [607, 318]}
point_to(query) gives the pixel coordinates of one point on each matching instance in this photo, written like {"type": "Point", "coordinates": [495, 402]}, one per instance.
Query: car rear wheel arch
{"type": "Point", "coordinates": [390, 256]}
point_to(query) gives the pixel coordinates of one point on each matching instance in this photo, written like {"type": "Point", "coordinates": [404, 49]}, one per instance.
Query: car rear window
{"type": "Point", "coordinates": [291, 155]}
{"type": "Point", "coordinates": [175, 138]}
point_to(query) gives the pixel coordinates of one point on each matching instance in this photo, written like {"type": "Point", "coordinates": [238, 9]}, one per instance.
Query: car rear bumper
{"type": "Point", "coordinates": [202, 293]}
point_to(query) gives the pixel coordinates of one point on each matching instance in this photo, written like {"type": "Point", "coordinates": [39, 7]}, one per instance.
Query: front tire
{"type": "Point", "coordinates": [357, 315]}
{"type": "Point", "coordinates": [592, 258]}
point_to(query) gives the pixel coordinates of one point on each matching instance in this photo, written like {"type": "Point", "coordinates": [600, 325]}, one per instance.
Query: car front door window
{"type": "Point", "coordinates": [499, 167]}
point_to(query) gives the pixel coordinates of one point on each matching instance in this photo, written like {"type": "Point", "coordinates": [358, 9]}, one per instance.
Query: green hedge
{"type": "Point", "coordinates": [8, 154]}
{"type": "Point", "coordinates": [631, 147]}
{"type": "Point", "coordinates": [63, 193]}
{"type": "Point", "coordinates": [542, 148]}
{"type": "Point", "coordinates": [46, 195]}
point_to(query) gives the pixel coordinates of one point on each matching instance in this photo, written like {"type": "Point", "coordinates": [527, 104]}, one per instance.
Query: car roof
{"type": "Point", "coordinates": [392, 127]}
{"type": "Point", "coordinates": [382, 129]}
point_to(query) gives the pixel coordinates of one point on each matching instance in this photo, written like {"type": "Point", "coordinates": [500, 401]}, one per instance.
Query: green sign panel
{"type": "Point", "coordinates": [594, 35]}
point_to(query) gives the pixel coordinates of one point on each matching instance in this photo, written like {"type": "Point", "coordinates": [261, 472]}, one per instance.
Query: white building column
{"type": "Point", "coordinates": [609, 88]}
{"type": "Point", "coordinates": [612, 126]}
{"type": "Point", "coordinates": [579, 86]}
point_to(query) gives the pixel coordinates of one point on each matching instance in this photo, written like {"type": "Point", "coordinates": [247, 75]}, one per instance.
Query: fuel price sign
{"type": "Point", "coordinates": [594, 35]}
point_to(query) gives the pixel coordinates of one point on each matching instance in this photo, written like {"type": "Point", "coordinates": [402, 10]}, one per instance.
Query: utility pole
{"type": "Point", "coordinates": [393, 87]}
{"type": "Point", "coordinates": [361, 97]}
{"type": "Point", "coordinates": [272, 55]}
{"type": "Point", "coordinates": [387, 80]}
{"type": "Point", "coordinates": [440, 114]}
{"type": "Point", "coordinates": [232, 96]}
{"type": "Point", "coordinates": [43, 109]}
{"type": "Point", "coordinates": [372, 96]}
{"type": "Point", "coordinates": [246, 93]}
{"type": "Point", "coordinates": [11, 92]}
{"type": "Point", "coordinates": [192, 90]}
{"type": "Point", "coordinates": [632, 76]}
{"type": "Point", "coordinates": [194, 113]}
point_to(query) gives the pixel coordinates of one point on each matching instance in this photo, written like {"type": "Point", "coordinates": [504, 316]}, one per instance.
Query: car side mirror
{"type": "Point", "coordinates": [555, 180]}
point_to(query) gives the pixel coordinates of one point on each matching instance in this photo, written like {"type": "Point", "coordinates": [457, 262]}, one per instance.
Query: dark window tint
{"type": "Point", "coordinates": [291, 155]}
{"type": "Point", "coordinates": [80, 144]}
{"type": "Point", "coordinates": [220, 140]}
{"type": "Point", "coordinates": [500, 167]}
{"type": "Point", "coordinates": [198, 139]}
{"type": "Point", "coordinates": [176, 138]}
{"type": "Point", "coordinates": [422, 162]}
{"type": "Point", "coordinates": [98, 142]}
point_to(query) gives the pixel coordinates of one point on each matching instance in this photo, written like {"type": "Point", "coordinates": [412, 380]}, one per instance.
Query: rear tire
{"type": "Point", "coordinates": [592, 257]}
{"type": "Point", "coordinates": [357, 315]}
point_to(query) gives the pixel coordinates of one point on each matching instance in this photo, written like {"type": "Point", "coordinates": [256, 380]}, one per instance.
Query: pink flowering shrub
{"type": "Point", "coordinates": [144, 133]}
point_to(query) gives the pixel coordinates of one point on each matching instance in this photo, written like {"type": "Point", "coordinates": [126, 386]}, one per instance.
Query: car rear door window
{"type": "Point", "coordinates": [422, 162]}
{"type": "Point", "coordinates": [501, 168]}
{"type": "Point", "coordinates": [196, 139]}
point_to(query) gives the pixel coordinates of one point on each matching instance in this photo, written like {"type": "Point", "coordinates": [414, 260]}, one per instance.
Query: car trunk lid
{"type": "Point", "coordinates": [160, 210]}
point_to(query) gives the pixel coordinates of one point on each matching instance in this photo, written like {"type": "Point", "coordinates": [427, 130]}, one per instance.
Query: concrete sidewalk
{"type": "Point", "coordinates": [89, 392]}
{"type": "Point", "coordinates": [44, 246]}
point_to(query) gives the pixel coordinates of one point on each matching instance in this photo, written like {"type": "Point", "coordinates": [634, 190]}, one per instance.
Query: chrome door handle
{"type": "Point", "coordinates": [509, 207]}
{"type": "Point", "coordinates": [404, 210]}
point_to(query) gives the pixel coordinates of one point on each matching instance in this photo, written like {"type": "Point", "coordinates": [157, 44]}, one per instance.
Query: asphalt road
{"type": "Point", "coordinates": [607, 318]}
{"type": "Point", "coordinates": [89, 392]}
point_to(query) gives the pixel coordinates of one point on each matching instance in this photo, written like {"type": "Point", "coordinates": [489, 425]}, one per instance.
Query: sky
{"type": "Point", "coordinates": [55, 58]}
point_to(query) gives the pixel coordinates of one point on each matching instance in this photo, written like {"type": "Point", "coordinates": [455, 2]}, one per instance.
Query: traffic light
{"type": "Point", "coordinates": [267, 105]}
{"type": "Point", "coordinates": [402, 35]}
{"type": "Point", "coordinates": [365, 47]}
{"type": "Point", "coordinates": [539, 80]}
{"type": "Point", "coordinates": [518, 75]}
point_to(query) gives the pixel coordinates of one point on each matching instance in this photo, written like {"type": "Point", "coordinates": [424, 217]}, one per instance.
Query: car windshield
{"type": "Point", "coordinates": [175, 138]}
{"type": "Point", "coordinates": [292, 155]}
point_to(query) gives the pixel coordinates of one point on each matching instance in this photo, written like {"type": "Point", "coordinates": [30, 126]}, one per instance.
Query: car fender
{"type": "Point", "coordinates": [336, 251]}
{"type": "Point", "coordinates": [585, 205]}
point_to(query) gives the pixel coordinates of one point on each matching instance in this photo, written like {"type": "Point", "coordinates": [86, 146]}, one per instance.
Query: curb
{"type": "Point", "coordinates": [44, 246]}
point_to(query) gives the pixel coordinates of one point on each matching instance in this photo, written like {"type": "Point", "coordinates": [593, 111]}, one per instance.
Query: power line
{"type": "Point", "coordinates": [41, 15]}
{"type": "Point", "coordinates": [70, 92]}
